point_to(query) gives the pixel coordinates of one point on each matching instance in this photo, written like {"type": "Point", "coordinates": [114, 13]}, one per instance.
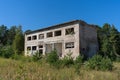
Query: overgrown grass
{"type": "Point", "coordinates": [25, 70]}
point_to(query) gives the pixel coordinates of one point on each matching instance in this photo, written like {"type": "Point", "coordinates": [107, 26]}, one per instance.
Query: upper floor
{"type": "Point", "coordinates": [51, 34]}
{"type": "Point", "coordinates": [66, 31]}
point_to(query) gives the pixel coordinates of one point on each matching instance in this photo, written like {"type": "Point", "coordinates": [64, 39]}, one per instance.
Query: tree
{"type": "Point", "coordinates": [3, 35]}
{"type": "Point", "coordinates": [18, 43]}
{"type": "Point", "coordinates": [103, 37]}
{"type": "Point", "coordinates": [115, 40]}
{"type": "Point", "coordinates": [109, 41]}
{"type": "Point", "coordinates": [11, 34]}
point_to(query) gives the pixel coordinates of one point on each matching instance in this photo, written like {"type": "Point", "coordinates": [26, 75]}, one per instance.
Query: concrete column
{"type": "Point", "coordinates": [44, 49]}
{"type": "Point", "coordinates": [53, 46]}
{"type": "Point", "coordinates": [53, 33]}
{"type": "Point", "coordinates": [30, 52]}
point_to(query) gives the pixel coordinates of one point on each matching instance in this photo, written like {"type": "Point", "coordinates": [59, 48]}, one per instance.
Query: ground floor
{"type": "Point", "coordinates": [61, 47]}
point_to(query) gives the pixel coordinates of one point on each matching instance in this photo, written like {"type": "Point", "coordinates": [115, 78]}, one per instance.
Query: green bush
{"type": "Point", "coordinates": [79, 60]}
{"type": "Point", "coordinates": [37, 56]}
{"type": "Point", "coordinates": [106, 64]}
{"type": "Point", "coordinates": [67, 61]}
{"type": "Point", "coordinates": [98, 62]}
{"type": "Point", "coordinates": [52, 57]}
{"type": "Point", "coordinates": [6, 52]}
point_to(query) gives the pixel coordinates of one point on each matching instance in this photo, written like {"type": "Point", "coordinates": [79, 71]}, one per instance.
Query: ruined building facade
{"type": "Point", "coordinates": [76, 37]}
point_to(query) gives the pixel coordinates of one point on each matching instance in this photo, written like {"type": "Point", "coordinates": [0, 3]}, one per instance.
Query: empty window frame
{"type": "Point", "coordinates": [29, 38]}
{"type": "Point", "coordinates": [49, 34]}
{"type": "Point", "coordinates": [34, 47]}
{"type": "Point", "coordinates": [34, 37]}
{"type": "Point", "coordinates": [69, 31]}
{"type": "Point", "coordinates": [41, 36]}
{"type": "Point", "coordinates": [69, 45]}
{"type": "Point", "coordinates": [58, 33]}
{"type": "Point", "coordinates": [29, 48]}
{"type": "Point", "coordinates": [40, 46]}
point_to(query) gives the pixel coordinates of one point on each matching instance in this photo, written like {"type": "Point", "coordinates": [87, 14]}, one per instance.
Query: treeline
{"type": "Point", "coordinates": [109, 41]}
{"type": "Point", "coordinates": [11, 41]}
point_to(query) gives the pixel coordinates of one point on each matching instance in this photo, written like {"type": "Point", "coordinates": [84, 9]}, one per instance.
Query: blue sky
{"type": "Point", "coordinates": [36, 14]}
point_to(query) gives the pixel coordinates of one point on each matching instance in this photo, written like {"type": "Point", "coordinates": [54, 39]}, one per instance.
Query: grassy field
{"type": "Point", "coordinates": [20, 70]}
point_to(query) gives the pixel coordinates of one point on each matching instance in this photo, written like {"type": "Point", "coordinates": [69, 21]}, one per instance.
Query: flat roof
{"type": "Point", "coordinates": [57, 26]}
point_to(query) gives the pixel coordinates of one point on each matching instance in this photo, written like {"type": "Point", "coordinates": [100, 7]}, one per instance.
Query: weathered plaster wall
{"type": "Point", "coordinates": [57, 39]}
{"type": "Point", "coordinates": [88, 40]}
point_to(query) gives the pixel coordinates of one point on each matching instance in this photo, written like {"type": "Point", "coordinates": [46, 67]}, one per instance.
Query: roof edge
{"type": "Point", "coordinates": [57, 26]}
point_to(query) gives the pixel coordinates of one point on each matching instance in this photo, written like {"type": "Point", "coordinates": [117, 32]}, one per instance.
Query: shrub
{"type": "Point", "coordinates": [94, 62]}
{"type": "Point", "coordinates": [67, 60]}
{"type": "Point", "coordinates": [106, 64]}
{"type": "Point", "coordinates": [6, 52]}
{"type": "Point", "coordinates": [37, 56]}
{"type": "Point", "coordinates": [79, 60]}
{"type": "Point", "coordinates": [99, 63]}
{"type": "Point", "coordinates": [52, 57]}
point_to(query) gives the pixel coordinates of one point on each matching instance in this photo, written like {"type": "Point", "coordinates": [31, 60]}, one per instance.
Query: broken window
{"type": "Point", "coordinates": [40, 46]}
{"type": "Point", "coordinates": [69, 45]}
{"type": "Point", "coordinates": [49, 34]}
{"type": "Point", "coordinates": [28, 48]}
{"type": "Point", "coordinates": [29, 38]}
{"type": "Point", "coordinates": [34, 48]}
{"type": "Point", "coordinates": [69, 31]}
{"type": "Point", "coordinates": [34, 37]}
{"type": "Point", "coordinates": [41, 36]}
{"type": "Point", "coordinates": [58, 33]}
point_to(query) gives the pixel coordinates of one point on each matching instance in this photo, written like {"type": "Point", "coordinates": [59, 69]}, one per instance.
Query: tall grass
{"type": "Point", "coordinates": [23, 70]}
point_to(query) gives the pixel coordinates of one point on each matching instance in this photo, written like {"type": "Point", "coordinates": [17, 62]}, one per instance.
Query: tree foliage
{"type": "Point", "coordinates": [18, 43]}
{"type": "Point", "coordinates": [11, 37]}
{"type": "Point", "coordinates": [109, 41]}
{"type": "Point", "coordinates": [11, 34]}
{"type": "Point", "coordinates": [3, 35]}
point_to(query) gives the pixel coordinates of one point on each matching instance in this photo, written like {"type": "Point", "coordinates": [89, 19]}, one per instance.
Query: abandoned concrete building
{"type": "Point", "coordinates": [76, 37]}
